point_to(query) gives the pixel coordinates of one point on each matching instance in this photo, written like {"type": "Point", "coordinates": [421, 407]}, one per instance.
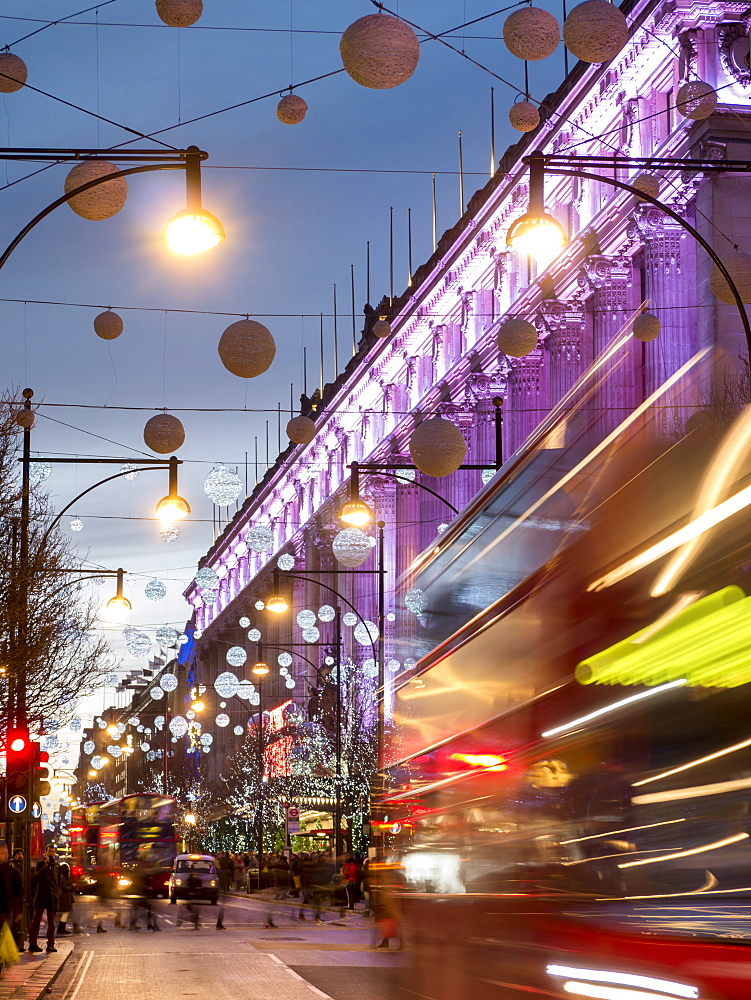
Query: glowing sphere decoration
{"type": "Point", "coordinates": [646, 327]}
{"type": "Point", "coordinates": [437, 447]}
{"type": "Point", "coordinates": [291, 109]}
{"type": "Point", "coordinates": [739, 268]}
{"type": "Point", "coordinates": [206, 578]}
{"type": "Point", "coordinates": [130, 471]}
{"type": "Point", "coordinates": [134, 720]}
{"type": "Point", "coordinates": [96, 762]}
{"type": "Point", "coordinates": [170, 534]}
{"type": "Point", "coordinates": [306, 619]}
{"type": "Point", "coordinates": [138, 644]}
{"type": "Point", "coordinates": [14, 72]}
{"type": "Point", "coordinates": [178, 726]}
{"type": "Point", "coordinates": [166, 636]}
{"type": "Point", "coordinates": [209, 597]}
{"type": "Point", "coordinates": [696, 100]}
{"type": "Point", "coordinates": [164, 433]}
{"type": "Point", "coordinates": [155, 590]}
{"type": "Point", "coordinates": [226, 684]}
{"type": "Point", "coordinates": [260, 538]}
{"type": "Point", "coordinates": [179, 13]}
{"type": "Point", "coordinates": [89, 746]}
{"type": "Point", "coordinates": [416, 601]}
{"type": "Point", "coordinates": [236, 656]}
{"type": "Point", "coordinates": [254, 635]}
{"type": "Point", "coordinates": [517, 337]}
{"type": "Point", "coordinates": [351, 547]}
{"type": "Point", "coordinates": [245, 689]}
{"type": "Point", "coordinates": [259, 605]}
{"type": "Point", "coordinates": [75, 724]}
{"type": "Point", "coordinates": [159, 721]}
{"type": "Point", "coordinates": [284, 659]}
{"type": "Point", "coordinates": [222, 720]}
{"type": "Point", "coordinates": [486, 476]}
{"type": "Point", "coordinates": [365, 633]}
{"type": "Point", "coordinates": [326, 613]}
{"type": "Point", "coordinates": [379, 51]}
{"type": "Point", "coordinates": [524, 116]}
{"type": "Point", "coordinates": [198, 634]}
{"type": "Point", "coordinates": [290, 682]}
{"type": "Point", "coordinates": [111, 679]}
{"type": "Point", "coordinates": [206, 739]}
{"type": "Point", "coordinates": [222, 486]}
{"type": "Point", "coordinates": [349, 618]}
{"type": "Point", "coordinates": [246, 348]}
{"type": "Point", "coordinates": [393, 666]}
{"type": "Point", "coordinates": [76, 524]}
{"type": "Point", "coordinates": [595, 31]}
{"type": "Point", "coordinates": [286, 562]}
{"type": "Point", "coordinates": [157, 692]}
{"type": "Point", "coordinates": [168, 682]}
{"type": "Point", "coordinates": [311, 634]}
{"type": "Point", "coordinates": [255, 698]}
{"type": "Point", "coordinates": [238, 730]}
{"type": "Point", "coordinates": [145, 746]}
{"type": "Point", "coordinates": [99, 202]}
{"type": "Point", "coordinates": [531, 33]}
{"type": "Point", "coordinates": [39, 472]}
{"type": "Point", "coordinates": [301, 430]}
{"type": "Point", "coordinates": [283, 671]}
{"type": "Point", "coordinates": [244, 622]}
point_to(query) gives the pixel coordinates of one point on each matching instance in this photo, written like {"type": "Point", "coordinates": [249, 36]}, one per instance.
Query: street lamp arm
{"type": "Point", "coordinates": [79, 190]}
{"type": "Point", "coordinates": [88, 576]}
{"type": "Point", "coordinates": [352, 608]}
{"type": "Point", "coordinates": [267, 645]}
{"type": "Point", "coordinates": [586, 175]}
{"type": "Point", "coordinates": [413, 482]}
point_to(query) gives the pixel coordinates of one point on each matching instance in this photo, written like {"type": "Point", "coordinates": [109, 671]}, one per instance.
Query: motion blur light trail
{"type": "Point", "coordinates": [612, 708]}
{"type": "Point", "coordinates": [626, 979]}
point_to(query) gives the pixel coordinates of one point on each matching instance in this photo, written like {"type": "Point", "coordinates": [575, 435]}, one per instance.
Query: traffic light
{"type": "Point", "coordinates": [19, 752]}
{"type": "Point", "coordinates": [41, 773]}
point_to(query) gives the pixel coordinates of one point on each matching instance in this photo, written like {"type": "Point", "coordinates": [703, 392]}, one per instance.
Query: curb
{"type": "Point", "coordinates": [36, 984]}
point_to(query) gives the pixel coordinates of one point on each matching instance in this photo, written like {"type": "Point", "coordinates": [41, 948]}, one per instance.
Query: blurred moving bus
{"type": "Point", "coordinates": [113, 842]}
{"type": "Point", "coordinates": [569, 785]}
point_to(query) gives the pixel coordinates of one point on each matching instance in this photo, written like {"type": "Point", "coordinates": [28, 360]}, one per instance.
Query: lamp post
{"type": "Point", "coordinates": [190, 231]}
{"type": "Point", "coordinates": [259, 671]}
{"type": "Point", "coordinates": [537, 232]}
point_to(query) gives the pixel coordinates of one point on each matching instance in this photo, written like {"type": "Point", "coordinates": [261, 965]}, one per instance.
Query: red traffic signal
{"type": "Point", "coordinates": [19, 755]}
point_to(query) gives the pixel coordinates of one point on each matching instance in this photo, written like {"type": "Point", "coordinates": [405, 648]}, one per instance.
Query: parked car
{"type": "Point", "coordinates": [193, 876]}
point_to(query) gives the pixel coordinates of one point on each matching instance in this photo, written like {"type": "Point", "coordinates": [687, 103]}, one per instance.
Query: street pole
{"type": "Point", "coordinates": [338, 778]}
{"type": "Point", "coordinates": [381, 698]}
{"type": "Point", "coordinates": [259, 812]}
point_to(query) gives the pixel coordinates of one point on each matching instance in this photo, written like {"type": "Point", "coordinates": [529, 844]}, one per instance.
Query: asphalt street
{"type": "Point", "coordinates": [295, 960]}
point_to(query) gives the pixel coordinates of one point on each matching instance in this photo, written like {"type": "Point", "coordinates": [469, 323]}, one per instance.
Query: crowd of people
{"type": "Point", "coordinates": [49, 894]}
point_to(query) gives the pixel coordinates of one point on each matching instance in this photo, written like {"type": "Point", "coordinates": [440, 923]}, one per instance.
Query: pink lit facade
{"type": "Point", "coordinates": [442, 356]}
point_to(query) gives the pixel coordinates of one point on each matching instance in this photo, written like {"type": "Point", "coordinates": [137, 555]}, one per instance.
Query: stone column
{"type": "Point", "coordinates": [610, 281]}
{"type": "Point", "coordinates": [665, 295]}
{"type": "Point", "coordinates": [525, 405]}
{"type": "Point", "coordinates": [564, 323]}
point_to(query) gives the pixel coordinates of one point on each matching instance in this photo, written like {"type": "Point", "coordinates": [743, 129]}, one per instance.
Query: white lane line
{"type": "Point", "coordinates": [83, 969]}
{"type": "Point", "coordinates": [292, 972]}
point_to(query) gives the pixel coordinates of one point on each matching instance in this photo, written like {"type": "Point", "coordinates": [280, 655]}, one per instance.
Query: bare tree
{"type": "Point", "coordinates": [48, 646]}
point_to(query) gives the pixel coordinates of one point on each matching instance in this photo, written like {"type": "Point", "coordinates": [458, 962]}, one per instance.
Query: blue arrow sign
{"type": "Point", "coordinates": [36, 810]}
{"type": "Point", "coordinates": [17, 804]}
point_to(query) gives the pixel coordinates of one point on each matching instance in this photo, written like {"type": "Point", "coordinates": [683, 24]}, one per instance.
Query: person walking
{"type": "Point", "coordinates": [16, 862]}
{"type": "Point", "coordinates": [44, 893]}
{"type": "Point", "coordinates": [66, 898]}
{"type": "Point", "coordinates": [11, 894]}
{"type": "Point", "coordinates": [349, 881]}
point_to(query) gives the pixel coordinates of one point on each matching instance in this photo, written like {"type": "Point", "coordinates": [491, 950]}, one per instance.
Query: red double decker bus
{"type": "Point", "coordinates": [111, 841]}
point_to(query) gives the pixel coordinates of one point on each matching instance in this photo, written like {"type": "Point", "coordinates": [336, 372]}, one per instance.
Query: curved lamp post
{"type": "Point", "coordinates": [538, 232]}
{"type": "Point", "coordinates": [190, 231]}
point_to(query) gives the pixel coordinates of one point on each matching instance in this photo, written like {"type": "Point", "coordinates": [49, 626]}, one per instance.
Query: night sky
{"type": "Point", "coordinates": [291, 233]}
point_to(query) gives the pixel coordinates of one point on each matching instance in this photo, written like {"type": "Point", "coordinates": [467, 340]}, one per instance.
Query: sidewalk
{"type": "Point", "coordinates": [30, 978]}
{"type": "Point", "coordinates": [291, 901]}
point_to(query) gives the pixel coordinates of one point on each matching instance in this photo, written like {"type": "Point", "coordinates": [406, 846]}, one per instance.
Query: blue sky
{"type": "Point", "coordinates": [291, 234]}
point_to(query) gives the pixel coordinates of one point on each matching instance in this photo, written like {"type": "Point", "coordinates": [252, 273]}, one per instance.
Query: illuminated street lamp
{"type": "Point", "coordinates": [277, 602]}
{"type": "Point", "coordinates": [259, 669]}
{"type": "Point", "coordinates": [198, 706]}
{"type": "Point", "coordinates": [113, 730]}
{"type": "Point", "coordinates": [190, 819]}
{"type": "Point", "coordinates": [354, 511]}
{"type": "Point", "coordinates": [194, 229]}
{"type": "Point", "coordinates": [536, 232]}
{"type": "Point", "coordinates": [117, 607]}
{"type": "Point", "coordinates": [172, 507]}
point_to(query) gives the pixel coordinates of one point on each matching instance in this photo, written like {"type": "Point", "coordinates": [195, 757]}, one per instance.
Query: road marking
{"type": "Point", "coordinates": [83, 969]}
{"type": "Point", "coordinates": [292, 972]}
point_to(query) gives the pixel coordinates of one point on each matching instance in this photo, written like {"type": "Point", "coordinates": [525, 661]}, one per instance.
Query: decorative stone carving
{"type": "Point", "coordinates": [562, 324]}
{"type": "Point", "coordinates": [734, 50]}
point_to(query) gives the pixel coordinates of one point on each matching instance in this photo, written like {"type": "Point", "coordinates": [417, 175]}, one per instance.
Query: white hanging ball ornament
{"type": "Point", "coordinates": [306, 619]}
{"type": "Point", "coordinates": [595, 31]}
{"type": "Point", "coordinates": [739, 268]}
{"type": "Point", "coordinates": [99, 202]}
{"type": "Point", "coordinates": [696, 100]}
{"type": "Point", "coordinates": [301, 430]}
{"type": "Point", "coordinates": [25, 418]}
{"type": "Point", "coordinates": [647, 184]}
{"type": "Point", "coordinates": [222, 486]}
{"type": "Point", "coordinates": [155, 590]}
{"type": "Point", "coordinates": [170, 534]}
{"type": "Point", "coordinates": [246, 348]}
{"type": "Point", "coordinates": [524, 116]}
{"type": "Point", "coordinates": [76, 524]}
{"type": "Point", "coordinates": [260, 538]}
{"type": "Point", "coordinates": [381, 328]}
{"type": "Point", "coordinates": [236, 656]}
{"type": "Point", "coordinates": [168, 682]}
{"type": "Point", "coordinates": [517, 337]}
{"type": "Point", "coordinates": [238, 730]}
{"type": "Point", "coordinates": [351, 547]}
{"type": "Point", "coordinates": [108, 325]}
{"type": "Point", "coordinates": [531, 33]}
{"type": "Point", "coordinates": [164, 433]}
{"type": "Point", "coordinates": [291, 109]}
{"type": "Point", "coordinates": [222, 720]}
{"type": "Point", "coordinates": [379, 51]}
{"type": "Point", "coordinates": [646, 327]}
{"type": "Point", "coordinates": [285, 562]}
{"type": "Point", "coordinates": [14, 73]}
{"type": "Point", "coordinates": [179, 13]}
{"type": "Point", "coordinates": [437, 447]}
{"type": "Point", "coordinates": [206, 578]}
{"type": "Point", "coordinates": [244, 622]}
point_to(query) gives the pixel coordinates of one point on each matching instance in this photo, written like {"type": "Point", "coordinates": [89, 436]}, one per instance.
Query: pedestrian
{"type": "Point", "coordinates": [44, 893]}
{"type": "Point", "coordinates": [193, 917]}
{"type": "Point", "coordinates": [11, 900]}
{"type": "Point", "coordinates": [323, 873]}
{"type": "Point", "coordinates": [16, 862]}
{"type": "Point", "coordinates": [66, 898]}
{"type": "Point", "coordinates": [294, 872]}
{"type": "Point", "coordinates": [365, 884]}
{"type": "Point", "coordinates": [349, 881]}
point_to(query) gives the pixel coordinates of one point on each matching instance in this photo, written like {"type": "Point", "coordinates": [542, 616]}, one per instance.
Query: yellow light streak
{"type": "Point", "coordinates": [693, 792]}
{"type": "Point", "coordinates": [715, 846]}
{"type": "Point", "coordinates": [624, 979]}
{"type": "Point", "coordinates": [611, 708]}
{"type": "Point", "coordinates": [694, 763]}
{"type": "Point", "coordinates": [628, 829]}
